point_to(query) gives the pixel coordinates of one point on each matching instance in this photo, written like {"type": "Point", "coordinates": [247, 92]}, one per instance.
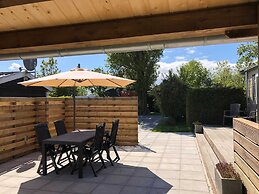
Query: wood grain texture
{"type": "Point", "coordinates": [206, 22]}
{"type": "Point", "coordinates": [246, 148]}
{"type": "Point", "coordinates": [19, 115]}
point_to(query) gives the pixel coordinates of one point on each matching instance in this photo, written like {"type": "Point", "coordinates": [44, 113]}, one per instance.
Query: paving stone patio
{"type": "Point", "coordinates": [162, 163]}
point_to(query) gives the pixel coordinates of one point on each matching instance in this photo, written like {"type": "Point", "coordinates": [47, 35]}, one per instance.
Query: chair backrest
{"type": "Point", "coordinates": [115, 127]}
{"type": "Point", "coordinates": [251, 109]}
{"type": "Point", "coordinates": [42, 133]}
{"type": "Point", "coordinates": [98, 139]}
{"type": "Point", "coordinates": [235, 109]}
{"type": "Point", "coordinates": [60, 127]}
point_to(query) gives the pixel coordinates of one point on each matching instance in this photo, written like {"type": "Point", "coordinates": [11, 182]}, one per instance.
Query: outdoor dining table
{"type": "Point", "coordinates": [79, 139]}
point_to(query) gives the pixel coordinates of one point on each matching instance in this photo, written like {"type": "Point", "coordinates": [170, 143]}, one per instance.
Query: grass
{"type": "Point", "coordinates": [166, 125]}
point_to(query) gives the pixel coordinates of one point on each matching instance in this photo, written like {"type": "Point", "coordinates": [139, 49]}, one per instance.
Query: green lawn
{"type": "Point", "coordinates": [166, 125]}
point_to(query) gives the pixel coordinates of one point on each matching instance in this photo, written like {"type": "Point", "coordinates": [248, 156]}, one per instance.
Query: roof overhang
{"type": "Point", "coordinates": [137, 29]}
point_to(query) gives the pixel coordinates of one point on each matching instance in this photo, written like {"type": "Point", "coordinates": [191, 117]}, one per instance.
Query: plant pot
{"type": "Point", "coordinates": [227, 185]}
{"type": "Point", "coordinates": [198, 128]}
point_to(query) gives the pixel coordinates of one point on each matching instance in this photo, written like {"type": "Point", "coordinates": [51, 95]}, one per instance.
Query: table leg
{"type": "Point", "coordinates": [44, 159]}
{"type": "Point", "coordinates": [80, 161]}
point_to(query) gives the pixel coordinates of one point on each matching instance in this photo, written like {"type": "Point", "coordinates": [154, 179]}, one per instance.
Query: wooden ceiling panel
{"type": "Point", "coordinates": [140, 8]}
{"type": "Point", "coordinates": [64, 12]}
{"type": "Point", "coordinates": [87, 10]}
{"type": "Point", "coordinates": [159, 6]}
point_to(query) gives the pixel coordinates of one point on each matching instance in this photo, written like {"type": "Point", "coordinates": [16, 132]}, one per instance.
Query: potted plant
{"type": "Point", "coordinates": [227, 180]}
{"type": "Point", "coordinates": [198, 128]}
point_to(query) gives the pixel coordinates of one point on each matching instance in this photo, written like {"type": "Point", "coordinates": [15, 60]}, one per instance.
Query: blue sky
{"type": "Point", "coordinates": [173, 58]}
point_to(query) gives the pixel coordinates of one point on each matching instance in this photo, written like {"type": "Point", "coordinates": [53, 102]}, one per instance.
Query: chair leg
{"type": "Point", "coordinates": [54, 164]}
{"type": "Point", "coordinates": [223, 121]}
{"type": "Point", "coordinates": [108, 156]}
{"type": "Point", "coordinates": [101, 158]}
{"type": "Point", "coordinates": [39, 167]}
{"type": "Point", "coordinates": [90, 163]}
{"type": "Point", "coordinates": [117, 155]}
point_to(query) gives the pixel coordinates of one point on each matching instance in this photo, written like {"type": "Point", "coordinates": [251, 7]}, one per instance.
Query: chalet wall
{"type": "Point", "coordinates": [246, 153]}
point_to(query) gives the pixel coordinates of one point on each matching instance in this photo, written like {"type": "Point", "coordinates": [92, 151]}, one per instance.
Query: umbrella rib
{"type": "Point", "coordinates": [115, 83]}
{"type": "Point", "coordinates": [62, 83]}
{"type": "Point", "coordinates": [91, 82]}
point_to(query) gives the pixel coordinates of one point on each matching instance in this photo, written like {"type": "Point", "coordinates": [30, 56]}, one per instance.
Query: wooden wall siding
{"type": "Point", "coordinates": [90, 112]}
{"type": "Point", "coordinates": [246, 153]}
{"type": "Point", "coordinates": [19, 115]}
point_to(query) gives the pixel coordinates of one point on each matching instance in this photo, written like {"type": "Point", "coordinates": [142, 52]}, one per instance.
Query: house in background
{"type": "Point", "coordinates": [251, 76]}
{"type": "Point", "coordinates": [9, 86]}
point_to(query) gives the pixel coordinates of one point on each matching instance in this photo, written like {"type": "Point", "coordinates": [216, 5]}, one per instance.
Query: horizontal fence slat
{"type": "Point", "coordinates": [247, 170]}
{"type": "Point", "coordinates": [19, 115]}
{"type": "Point", "coordinates": [246, 156]}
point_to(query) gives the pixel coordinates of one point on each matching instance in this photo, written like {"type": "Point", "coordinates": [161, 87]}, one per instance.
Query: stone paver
{"type": "Point", "coordinates": [161, 163]}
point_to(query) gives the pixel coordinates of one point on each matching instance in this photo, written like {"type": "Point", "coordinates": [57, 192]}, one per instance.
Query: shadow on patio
{"type": "Point", "coordinates": [118, 179]}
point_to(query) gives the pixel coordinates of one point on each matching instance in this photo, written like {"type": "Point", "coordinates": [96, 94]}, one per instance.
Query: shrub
{"type": "Point", "coordinates": [208, 104]}
{"type": "Point", "coordinates": [227, 170]}
{"type": "Point", "coordinates": [172, 97]}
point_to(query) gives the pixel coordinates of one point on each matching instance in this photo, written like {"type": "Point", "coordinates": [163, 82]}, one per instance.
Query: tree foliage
{"type": "Point", "coordinates": [227, 76]}
{"type": "Point", "coordinates": [140, 66]}
{"type": "Point", "coordinates": [171, 96]}
{"type": "Point", "coordinates": [50, 68]}
{"type": "Point", "coordinates": [194, 74]}
{"type": "Point", "coordinates": [98, 90]}
{"type": "Point", "coordinates": [247, 55]}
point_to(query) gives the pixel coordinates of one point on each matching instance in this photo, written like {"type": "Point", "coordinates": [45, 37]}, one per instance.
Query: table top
{"type": "Point", "coordinates": [74, 138]}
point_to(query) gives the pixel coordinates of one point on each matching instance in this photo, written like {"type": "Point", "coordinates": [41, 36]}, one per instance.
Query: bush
{"type": "Point", "coordinates": [208, 104]}
{"type": "Point", "coordinates": [172, 97]}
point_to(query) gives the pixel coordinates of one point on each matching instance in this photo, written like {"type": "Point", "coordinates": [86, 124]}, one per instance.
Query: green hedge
{"type": "Point", "coordinates": [208, 104]}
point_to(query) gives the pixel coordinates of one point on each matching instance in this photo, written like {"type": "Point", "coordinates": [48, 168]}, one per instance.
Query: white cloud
{"type": "Point", "coordinates": [165, 67]}
{"type": "Point", "coordinates": [190, 50]}
{"type": "Point", "coordinates": [14, 67]}
{"type": "Point", "coordinates": [179, 58]}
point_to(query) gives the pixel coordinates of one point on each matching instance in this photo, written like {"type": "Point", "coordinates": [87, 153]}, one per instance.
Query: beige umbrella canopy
{"type": "Point", "coordinates": [79, 77]}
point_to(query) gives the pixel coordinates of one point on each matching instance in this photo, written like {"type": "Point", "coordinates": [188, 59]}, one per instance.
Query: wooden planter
{"type": "Point", "coordinates": [198, 128]}
{"type": "Point", "coordinates": [227, 185]}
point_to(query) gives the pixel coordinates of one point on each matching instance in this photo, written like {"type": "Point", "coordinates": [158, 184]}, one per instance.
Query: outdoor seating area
{"type": "Point", "coordinates": [161, 163]}
{"type": "Point", "coordinates": [235, 111]}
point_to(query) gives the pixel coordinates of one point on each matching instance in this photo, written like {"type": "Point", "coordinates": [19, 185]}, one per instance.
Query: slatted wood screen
{"type": "Point", "coordinates": [19, 115]}
{"type": "Point", "coordinates": [246, 153]}
{"type": "Point", "coordinates": [90, 112]}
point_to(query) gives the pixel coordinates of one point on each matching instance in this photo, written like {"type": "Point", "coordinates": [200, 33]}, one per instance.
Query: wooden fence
{"type": "Point", "coordinates": [19, 115]}
{"type": "Point", "coordinates": [246, 153]}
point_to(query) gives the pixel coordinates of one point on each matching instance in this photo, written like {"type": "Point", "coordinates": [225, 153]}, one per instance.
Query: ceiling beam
{"type": "Point", "coordinates": [10, 3]}
{"type": "Point", "coordinates": [135, 30]}
{"type": "Point", "coordinates": [242, 33]}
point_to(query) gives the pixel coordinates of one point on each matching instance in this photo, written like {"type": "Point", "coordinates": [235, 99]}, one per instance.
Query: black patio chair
{"type": "Point", "coordinates": [232, 113]}
{"type": "Point", "coordinates": [250, 112]}
{"type": "Point", "coordinates": [42, 133]}
{"type": "Point", "coordinates": [92, 153]}
{"type": "Point", "coordinates": [110, 141]}
{"type": "Point", "coordinates": [64, 149]}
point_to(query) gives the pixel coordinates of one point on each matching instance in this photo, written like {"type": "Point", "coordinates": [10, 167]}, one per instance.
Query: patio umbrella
{"type": "Point", "coordinates": [79, 77]}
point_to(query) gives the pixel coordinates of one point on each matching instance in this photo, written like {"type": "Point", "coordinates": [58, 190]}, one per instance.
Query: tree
{"type": "Point", "coordinates": [227, 76]}
{"type": "Point", "coordinates": [98, 90]}
{"type": "Point", "coordinates": [140, 66]}
{"type": "Point", "coordinates": [194, 74]}
{"type": "Point", "coordinates": [247, 55]}
{"type": "Point", "coordinates": [171, 97]}
{"type": "Point", "coordinates": [48, 67]}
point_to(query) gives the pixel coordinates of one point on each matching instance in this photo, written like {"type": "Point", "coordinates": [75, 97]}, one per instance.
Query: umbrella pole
{"type": "Point", "coordinates": [74, 109]}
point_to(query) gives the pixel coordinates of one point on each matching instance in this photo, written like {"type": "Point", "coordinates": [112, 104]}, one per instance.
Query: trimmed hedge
{"type": "Point", "coordinates": [208, 104]}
